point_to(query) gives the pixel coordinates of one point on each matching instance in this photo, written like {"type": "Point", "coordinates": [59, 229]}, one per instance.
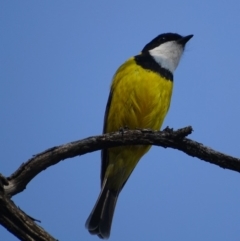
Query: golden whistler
{"type": "Point", "coordinates": [140, 97]}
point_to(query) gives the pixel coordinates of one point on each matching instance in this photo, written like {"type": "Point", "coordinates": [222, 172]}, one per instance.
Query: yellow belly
{"type": "Point", "coordinates": [140, 99]}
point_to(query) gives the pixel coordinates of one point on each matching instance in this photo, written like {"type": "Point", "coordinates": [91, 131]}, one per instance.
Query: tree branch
{"type": "Point", "coordinates": [24, 227]}
{"type": "Point", "coordinates": [17, 222]}
{"type": "Point", "coordinates": [166, 138]}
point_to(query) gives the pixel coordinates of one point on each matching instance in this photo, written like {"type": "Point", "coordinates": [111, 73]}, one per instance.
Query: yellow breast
{"type": "Point", "coordinates": [140, 98]}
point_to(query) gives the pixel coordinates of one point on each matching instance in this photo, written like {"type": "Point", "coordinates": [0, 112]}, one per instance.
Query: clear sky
{"type": "Point", "coordinates": [57, 59]}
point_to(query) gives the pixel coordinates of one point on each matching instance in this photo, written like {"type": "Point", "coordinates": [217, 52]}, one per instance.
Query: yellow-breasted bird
{"type": "Point", "coordinates": [139, 98]}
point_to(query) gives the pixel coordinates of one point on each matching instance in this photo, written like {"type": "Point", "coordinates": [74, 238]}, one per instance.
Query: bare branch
{"type": "Point", "coordinates": [18, 223]}
{"type": "Point", "coordinates": [166, 138]}
{"type": "Point", "coordinates": [24, 227]}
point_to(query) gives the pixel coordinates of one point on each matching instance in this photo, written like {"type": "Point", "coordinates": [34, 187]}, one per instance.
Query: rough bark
{"type": "Point", "coordinates": [25, 228]}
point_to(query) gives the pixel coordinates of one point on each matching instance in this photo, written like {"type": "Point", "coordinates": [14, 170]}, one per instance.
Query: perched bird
{"type": "Point", "coordinates": [139, 98]}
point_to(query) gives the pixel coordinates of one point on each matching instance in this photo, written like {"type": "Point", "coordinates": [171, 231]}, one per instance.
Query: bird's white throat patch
{"type": "Point", "coordinates": [167, 55]}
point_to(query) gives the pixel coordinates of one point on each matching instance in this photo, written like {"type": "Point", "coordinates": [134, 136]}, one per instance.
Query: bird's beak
{"type": "Point", "coordinates": [184, 40]}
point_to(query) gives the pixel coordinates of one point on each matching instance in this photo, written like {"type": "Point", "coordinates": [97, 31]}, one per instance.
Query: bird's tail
{"type": "Point", "coordinates": [100, 219]}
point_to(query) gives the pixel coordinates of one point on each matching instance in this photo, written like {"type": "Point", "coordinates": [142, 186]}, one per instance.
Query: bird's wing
{"type": "Point", "coordinates": [104, 154]}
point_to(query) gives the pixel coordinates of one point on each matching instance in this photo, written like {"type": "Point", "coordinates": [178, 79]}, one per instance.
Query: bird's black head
{"type": "Point", "coordinates": [166, 37]}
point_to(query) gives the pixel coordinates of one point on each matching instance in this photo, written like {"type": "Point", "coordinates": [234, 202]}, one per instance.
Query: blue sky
{"type": "Point", "coordinates": [57, 59]}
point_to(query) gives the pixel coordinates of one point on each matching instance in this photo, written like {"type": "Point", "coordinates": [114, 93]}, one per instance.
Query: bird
{"type": "Point", "coordinates": [139, 97]}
